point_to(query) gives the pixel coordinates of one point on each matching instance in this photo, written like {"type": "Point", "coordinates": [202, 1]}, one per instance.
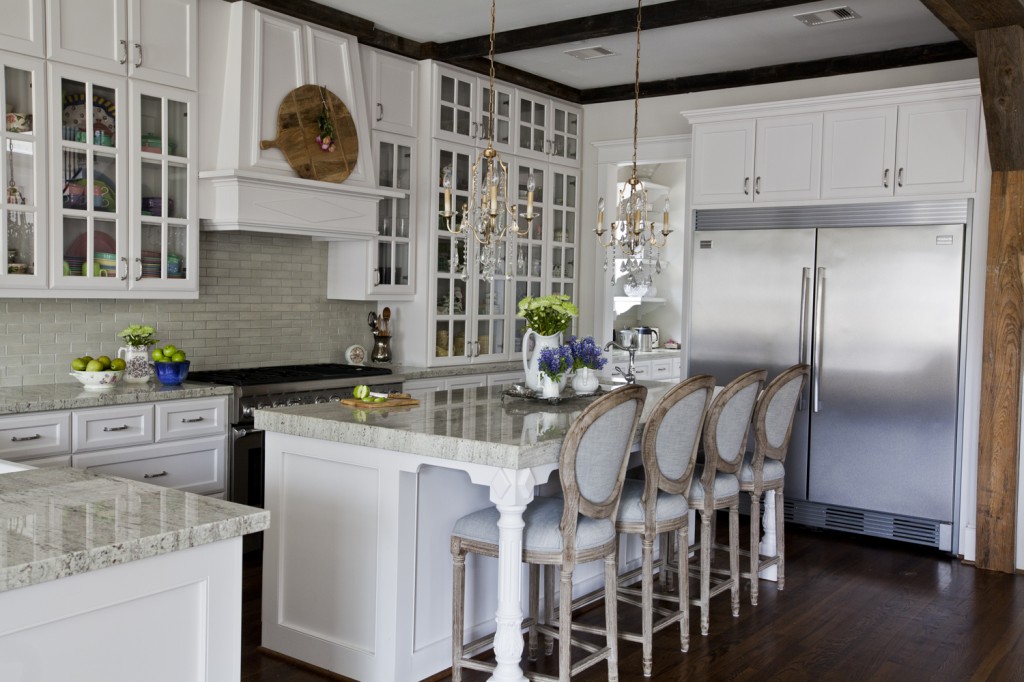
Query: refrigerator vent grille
{"type": "Point", "coordinates": [862, 522]}
{"type": "Point", "coordinates": [944, 212]}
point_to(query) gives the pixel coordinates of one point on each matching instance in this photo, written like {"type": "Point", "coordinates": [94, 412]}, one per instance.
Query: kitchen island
{"type": "Point", "coordinates": [102, 578]}
{"type": "Point", "coordinates": [357, 566]}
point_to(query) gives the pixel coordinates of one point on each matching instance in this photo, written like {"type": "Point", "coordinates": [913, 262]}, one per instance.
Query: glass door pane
{"type": "Point", "coordinates": [529, 249]}
{"type": "Point", "coordinates": [21, 178]}
{"type": "Point", "coordinates": [395, 171]}
{"type": "Point", "coordinates": [452, 268]}
{"type": "Point", "coordinates": [562, 253]}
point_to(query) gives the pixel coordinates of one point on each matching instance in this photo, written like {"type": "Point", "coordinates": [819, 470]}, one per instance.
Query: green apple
{"type": "Point", "coordinates": [179, 356]}
{"type": "Point", "coordinates": [78, 364]}
{"type": "Point", "coordinates": [118, 364]}
{"type": "Point", "coordinates": [94, 366]}
{"type": "Point", "coordinates": [157, 355]}
{"type": "Point", "coordinates": [104, 360]}
{"type": "Point", "coordinates": [169, 350]}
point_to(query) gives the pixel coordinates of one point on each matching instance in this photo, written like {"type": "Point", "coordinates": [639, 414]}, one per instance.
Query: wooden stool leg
{"type": "Point", "coordinates": [549, 607]}
{"type": "Point", "coordinates": [611, 613]}
{"type": "Point", "coordinates": [734, 557]}
{"type": "Point", "coordinates": [565, 626]}
{"type": "Point", "coordinates": [647, 600]}
{"type": "Point", "coordinates": [682, 541]}
{"type": "Point", "coordinates": [705, 570]}
{"type": "Point", "coordinates": [458, 603]}
{"type": "Point", "coordinates": [755, 541]}
{"type": "Point", "coordinates": [534, 607]}
{"type": "Point", "coordinates": [780, 538]}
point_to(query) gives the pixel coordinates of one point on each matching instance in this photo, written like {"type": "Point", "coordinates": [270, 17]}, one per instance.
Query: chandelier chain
{"type": "Point", "coordinates": [636, 85]}
{"type": "Point", "coordinates": [490, 103]}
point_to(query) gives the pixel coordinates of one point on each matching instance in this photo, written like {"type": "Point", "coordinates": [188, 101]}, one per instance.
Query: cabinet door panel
{"type": "Point", "coordinates": [723, 156]}
{"type": "Point", "coordinates": [22, 29]}
{"type": "Point", "coordinates": [164, 45]}
{"type": "Point", "coordinates": [89, 34]}
{"type": "Point", "coordinates": [858, 153]}
{"type": "Point", "coordinates": [787, 158]}
{"type": "Point", "coordinates": [393, 93]}
{"type": "Point", "coordinates": [279, 67]}
{"type": "Point", "coordinates": [937, 147]}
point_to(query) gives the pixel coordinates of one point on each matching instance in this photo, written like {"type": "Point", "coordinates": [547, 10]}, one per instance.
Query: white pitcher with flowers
{"type": "Point", "coordinates": [139, 338]}
{"type": "Point", "coordinates": [546, 318]}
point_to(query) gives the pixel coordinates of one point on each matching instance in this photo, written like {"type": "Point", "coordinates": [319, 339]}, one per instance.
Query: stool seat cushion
{"type": "Point", "coordinates": [631, 506]}
{"type": "Point", "coordinates": [725, 485]}
{"type": "Point", "coordinates": [773, 470]}
{"type": "Point", "coordinates": [542, 533]}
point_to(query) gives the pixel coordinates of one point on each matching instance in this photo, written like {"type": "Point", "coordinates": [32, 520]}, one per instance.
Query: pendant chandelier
{"type": "Point", "coordinates": [490, 215]}
{"type": "Point", "coordinates": [632, 236]}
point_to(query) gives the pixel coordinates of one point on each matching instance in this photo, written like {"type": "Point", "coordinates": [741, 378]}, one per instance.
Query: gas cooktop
{"type": "Point", "coordinates": [285, 374]}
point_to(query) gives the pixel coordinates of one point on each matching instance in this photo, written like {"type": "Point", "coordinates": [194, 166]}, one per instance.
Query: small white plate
{"type": "Point", "coordinates": [355, 354]}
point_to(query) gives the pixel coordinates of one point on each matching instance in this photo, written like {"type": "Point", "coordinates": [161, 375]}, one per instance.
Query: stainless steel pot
{"type": "Point", "coordinates": [646, 338]}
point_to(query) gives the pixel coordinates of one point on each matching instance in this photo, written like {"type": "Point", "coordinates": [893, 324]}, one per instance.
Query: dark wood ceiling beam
{"type": "Point", "coordinates": [965, 17]}
{"type": "Point", "coordinates": [597, 26]}
{"type": "Point", "coordinates": [819, 68]}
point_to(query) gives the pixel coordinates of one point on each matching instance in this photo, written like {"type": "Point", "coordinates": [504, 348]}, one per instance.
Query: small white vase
{"type": "Point", "coordinates": [585, 380]}
{"type": "Point", "coordinates": [550, 388]}
{"type": "Point", "coordinates": [137, 369]}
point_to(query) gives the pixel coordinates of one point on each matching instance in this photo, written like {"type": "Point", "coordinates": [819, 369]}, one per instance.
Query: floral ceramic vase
{"type": "Point", "coordinates": [550, 388]}
{"type": "Point", "coordinates": [137, 369]}
{"type": "Point", "coordinates": [585, 380]}
{"type": "Point", "coordinates": [531, 362]}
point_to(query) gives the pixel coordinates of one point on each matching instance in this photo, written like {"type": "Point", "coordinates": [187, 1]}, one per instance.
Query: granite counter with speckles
{"type": "Point", "coordinates": [56, 523]}
{"type": "Point", "coordinates": [67, 396]}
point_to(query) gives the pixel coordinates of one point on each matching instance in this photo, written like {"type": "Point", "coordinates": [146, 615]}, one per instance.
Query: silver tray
{"type": "Point", "coordinates": [521, 392]}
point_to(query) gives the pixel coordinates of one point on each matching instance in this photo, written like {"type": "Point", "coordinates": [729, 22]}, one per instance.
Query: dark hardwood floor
{"type": "Point", "coordinates": [854, 608]}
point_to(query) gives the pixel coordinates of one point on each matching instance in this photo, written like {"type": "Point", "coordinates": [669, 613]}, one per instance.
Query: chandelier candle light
{"type": "Point", "coordinates": [488, 215]}
{"type": "Point", "coordinates": [632, 235]}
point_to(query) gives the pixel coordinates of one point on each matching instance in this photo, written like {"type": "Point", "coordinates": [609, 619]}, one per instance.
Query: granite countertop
{"type": "Point", "coordinates": [410, 372]}
{"type": "Point", "coordinates": [56, 523]}
{"type": "Point", "coordinates": [476, 425]}
{"type": "Point", "coordinates": [69, 396]}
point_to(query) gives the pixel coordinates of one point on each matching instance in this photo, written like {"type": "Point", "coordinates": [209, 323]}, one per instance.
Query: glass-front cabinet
{"type": "Point", "coordinates": [563, 239]}
{"type": "Point", "coordinates": [22, 175]}
{"type": "Point", "coordinates": [88, 159]}
{"type": "Point", "coordinates": [529, 265]}
{"type": "Point", "coordinates": [393, 272]}
{"type": "Point", "coordinates": [122, 154]}
{"type": "Point", "coordinates": [164, 241]}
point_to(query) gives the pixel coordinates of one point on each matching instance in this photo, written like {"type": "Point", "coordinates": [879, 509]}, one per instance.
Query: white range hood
{"type": "Point", "coordinates": [252, 59]}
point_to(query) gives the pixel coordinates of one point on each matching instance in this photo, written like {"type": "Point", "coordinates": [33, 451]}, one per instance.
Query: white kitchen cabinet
{"type": "Point", "coordinates": [382, 268]}
{"type": "Point", "coordinates": [547, 129]}
{"type": "Point", "coordinates": [154, 40]}
{"type": "Point", "coordinates": [392, 84]}
{"type": "Point", "coordinates": [124, 217]}
{"type": "Point", "coordinates": [23, 28]}
{"type": "Point", "coordinates": [461, 106]}
{"type": "Point", "coordinates": [35, 435]}
{"type": "Point", "coordinates": [112, 427]}
{"type": "Point", "coordinates": [775, 158]}
{"type": "Point", "coordinates": [195, 466]}
{"type": "Point", "coordinates": [23, 204]}
{"type": "Point", "coordinates": [909, 149]}
{"type": "Point", "coordinates": [178, 419]}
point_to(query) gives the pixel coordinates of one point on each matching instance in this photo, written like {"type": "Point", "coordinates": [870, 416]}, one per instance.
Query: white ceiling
{"type": "Point", "coordinates": [734, 43]}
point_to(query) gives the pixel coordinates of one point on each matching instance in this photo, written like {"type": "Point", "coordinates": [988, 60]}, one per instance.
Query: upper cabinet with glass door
{"type": "Point", "coordinates": [153, 40]}
{"type": "Point", "coordinates": [547, 129]}
{"type": "Point", "coordinates": [462, 106]}
{"type": "Point", "coordinates": [88, 180]}
{"type": "Point", "coordinates": [163, 240]}
{"type": "Point", "coordinates": [22, 175]}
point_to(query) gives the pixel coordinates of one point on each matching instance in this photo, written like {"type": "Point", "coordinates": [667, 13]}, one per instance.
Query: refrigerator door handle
{"type": "Point", "coordinates": [803, 352]}
{"type": "Point", "coordinates": [819, 331]}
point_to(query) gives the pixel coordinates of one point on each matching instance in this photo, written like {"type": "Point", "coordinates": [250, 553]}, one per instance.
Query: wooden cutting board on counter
{"type": "Point", "coordinates": [390, 402]}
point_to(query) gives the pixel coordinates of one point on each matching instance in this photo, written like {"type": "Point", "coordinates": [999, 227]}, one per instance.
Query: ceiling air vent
{"type": "Point", "coordinates": [827, 16]}
{"type": "Point", "coordinates": [593, 52]}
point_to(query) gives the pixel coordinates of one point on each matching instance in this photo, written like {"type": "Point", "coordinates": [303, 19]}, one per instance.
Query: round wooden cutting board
{"type": "Point", "coordinates": [297, 130]}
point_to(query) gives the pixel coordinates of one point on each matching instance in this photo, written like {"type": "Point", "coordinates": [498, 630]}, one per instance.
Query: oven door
{"type": "Point", "coordinates": [247, 462]}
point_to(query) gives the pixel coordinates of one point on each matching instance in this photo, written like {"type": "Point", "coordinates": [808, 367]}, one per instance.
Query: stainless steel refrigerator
{"type": "Point", "coordinates": [875, 309]}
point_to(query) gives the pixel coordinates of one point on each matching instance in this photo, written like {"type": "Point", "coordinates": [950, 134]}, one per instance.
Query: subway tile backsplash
{"type": "Point", "coordinates": [262, 301]}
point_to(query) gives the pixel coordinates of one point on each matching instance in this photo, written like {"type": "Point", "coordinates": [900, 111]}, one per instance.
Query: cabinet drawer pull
{"type": "Point", "coordinates": [139, 276]}
{"type": "Point", "coordinates": [757, 185]}
{"type": "Point", "coordinates": [122, 427]}
{"type": "Point", "coordinates": [191, 420]}
{"type": "Point", "coordinates": [746, 185]}
{"type": "Point", "coordinates": [125, 261]}
{"type": "Point", "coordinates": [22, 439]}
{"type": "Point", "coordinates": [885, 178]}
{"type": "Point", "coordinates": [899, 177]}
{"type": "Point", "coordinates": [138, 48]}
{"type": "Point", "coordinates": [162, 473]}
{"type": "Point", "coordinates": [124, 52]}
{"type": "Point", "coordinates": [380, 112]}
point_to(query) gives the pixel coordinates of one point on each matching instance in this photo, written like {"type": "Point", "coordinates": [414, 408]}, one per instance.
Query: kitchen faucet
{"type": "Point", "coordinates": [630, 376]}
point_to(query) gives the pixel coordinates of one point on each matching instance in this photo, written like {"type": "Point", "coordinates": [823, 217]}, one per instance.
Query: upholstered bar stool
{"type": "Point", "coordinates": [561, 532]}
{"type": "Point", "coordinates": [716, 486]}
{"type": "Point", "coordinates": [764, 469]}
{"type": "Point", "coordinates": [657, 505]}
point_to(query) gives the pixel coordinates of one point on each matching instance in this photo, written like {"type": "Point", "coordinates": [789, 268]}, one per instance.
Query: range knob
{"type": "Point", "coordinates": [262, 404]}
{"type": "Point", "coordinates": [293, 401]}
{"type": "Point", "coordinates": [248, 410]}
{"type": "Point", "coordinates": [335, 398]}
{"type": "Point", "coordinates": [320, 399]}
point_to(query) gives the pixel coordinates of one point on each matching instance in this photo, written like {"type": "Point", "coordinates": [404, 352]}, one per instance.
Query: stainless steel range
{"type": "Point", "coordinates": [260, 387]}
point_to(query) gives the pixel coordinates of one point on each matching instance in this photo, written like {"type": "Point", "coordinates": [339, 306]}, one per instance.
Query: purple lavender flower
{"type": "Point", "coordinates": [555, 362]}
{"type": "Point", "coordinates": [586, 353]}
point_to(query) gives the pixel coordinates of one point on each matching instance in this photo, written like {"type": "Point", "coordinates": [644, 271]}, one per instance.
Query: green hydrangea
{"type": "Point", "coordinates": [547, 315]}
{"type": "Point", "coordinates": [138, 335]}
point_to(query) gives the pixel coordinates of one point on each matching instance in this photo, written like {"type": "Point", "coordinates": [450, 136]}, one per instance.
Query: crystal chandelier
{"type": "Point", "coordinates": [489, 215]}
{"type": "Point", "coordinates": [632, 236]}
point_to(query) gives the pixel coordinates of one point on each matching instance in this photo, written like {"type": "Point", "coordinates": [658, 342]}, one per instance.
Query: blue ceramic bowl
{"type": "Point", "coordinates": [171, 373]}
